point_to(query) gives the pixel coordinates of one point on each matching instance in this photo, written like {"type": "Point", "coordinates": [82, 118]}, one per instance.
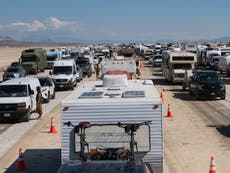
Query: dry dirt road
{"type": "Point", "coordinates": [198, 130]}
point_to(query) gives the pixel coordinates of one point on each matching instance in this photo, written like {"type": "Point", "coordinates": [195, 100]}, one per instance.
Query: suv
{"type": "Point", "coordinates": [206, 83]}
{"type": "Point", "coordinates": [86, 67]}
{"type": "Point", "coordinates": [47, 88]}
{"type": "Point", "coordinates": [14, 72]}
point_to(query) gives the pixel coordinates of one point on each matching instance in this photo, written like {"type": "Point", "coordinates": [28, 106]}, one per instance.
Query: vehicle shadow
{"type": "Point", "coordinates": [222, 129]}
{"type": "Point", "coordinates": [39, 161]}
{"type": "Point", "coordinates": [162, 81]}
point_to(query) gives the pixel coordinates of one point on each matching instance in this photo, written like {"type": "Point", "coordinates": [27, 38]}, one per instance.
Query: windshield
{"type": "Point", "coordinates": [82, 63]}
{"type": "Point", "coordinates": [12, 69]}
{"type": "Point", "coordinates": [62, 70]}
{"type": "Point", "coordinates": [182, 66]}
{"type": "Point", "coordinates": [13, 91]}
{"type": "Point", "coordinates": [29, 59]}
{"type": "Point", "coordinates": [44, 81]}
{"type": "Point", "coordinates": [51, 58]}
{"type": "Point", "coordinates": [205, 77]}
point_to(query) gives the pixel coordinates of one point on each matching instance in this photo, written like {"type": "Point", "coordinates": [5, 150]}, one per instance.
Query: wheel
{"type": "Point", "coordinates": [48, 98]}
{"type": "Point", "coordinates": [28, 116]}
{"type": "Point", "coordinates": [197, 95]}
{"type": "Point", "coordinates": [183, 86]}
{"type": "Point", "coordinates": [223, 97]}
{"type": "Point", "coordinates": [75, 84]}
{"type": "Point", "coordinates": [53, 96]}
{"type": "Point", "coordinates": [72, 86]}
{"type": "Point", "coordinates": [190, 91]}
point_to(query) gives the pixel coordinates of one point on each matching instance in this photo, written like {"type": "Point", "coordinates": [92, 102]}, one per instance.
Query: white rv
{"type": "Point", "coordinates": [175, 63]}
{"type": "Point", "coordinates": [18, 98]}
{"type": "Point", "coordinates": [224, 64]}
{"type": "Point", "coordinates": [117, 104]}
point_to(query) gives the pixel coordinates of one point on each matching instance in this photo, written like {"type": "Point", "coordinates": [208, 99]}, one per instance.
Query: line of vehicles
{"type": "Point", "coordinates": [18, 91]}
{"type": "Point", "coordinates": [196, 68]}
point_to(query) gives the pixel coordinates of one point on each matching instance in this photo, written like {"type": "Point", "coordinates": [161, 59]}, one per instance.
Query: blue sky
{"type": "Point", "coordinates": [127, 20]}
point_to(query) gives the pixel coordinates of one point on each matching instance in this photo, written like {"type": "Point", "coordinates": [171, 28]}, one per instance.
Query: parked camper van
{"type": "Point", "coordinates": [224, 64]}
{"type": "Point", "coordinates": [64, 74]}
{"type": "Point", "coordinates": [18, 98]}
{"type": "Point", "coordinates": [34, 60]}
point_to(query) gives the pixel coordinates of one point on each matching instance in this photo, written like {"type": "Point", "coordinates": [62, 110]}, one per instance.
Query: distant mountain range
{"type": "Point", "coordinates": [4, 38]}
{"type": "Point", "coordinates": [8, 41]}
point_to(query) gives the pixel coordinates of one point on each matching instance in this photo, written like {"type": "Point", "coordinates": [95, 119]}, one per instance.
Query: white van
{"type": "Point", "coordinates": [224, 64]}
{"type": "Point", "coordinates": [64, 74]}
{"type": "Point", "coordinates": [18, 98]}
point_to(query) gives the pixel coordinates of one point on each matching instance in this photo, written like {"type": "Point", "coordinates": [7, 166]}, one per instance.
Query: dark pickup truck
{"type": "Point", "coordinates": [206, 84]}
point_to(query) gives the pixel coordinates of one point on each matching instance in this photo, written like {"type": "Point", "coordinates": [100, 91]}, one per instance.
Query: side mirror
{"type": "Point", "coordinates": [74, 72]}
{"type": "Point", "coordinates": [31, 92]}
{"type": "Point", "coordinates": [50, 72]}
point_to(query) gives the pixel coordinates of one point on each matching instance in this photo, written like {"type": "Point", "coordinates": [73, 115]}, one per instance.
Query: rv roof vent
{"type": "Point", "coordinates": [97, 94]}
{"type": "Point", "coordinates": [133, 94]}
{"type": "Point", "coordinates": [115, 81]}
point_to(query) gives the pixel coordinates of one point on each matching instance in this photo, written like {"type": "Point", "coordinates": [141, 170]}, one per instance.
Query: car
{"type": "Point", "coordinates": [79, 73]}
{"type": "Point", "coordinates": [206, 83]}
{"type": "Point", "coordinates": [85, 65]}
{"type": "Point", "coordinates": [47, 88]}
{"type": "Point", "coordinates": [157, 60]}
{"type": "Point", "coordinates": [14, 72]}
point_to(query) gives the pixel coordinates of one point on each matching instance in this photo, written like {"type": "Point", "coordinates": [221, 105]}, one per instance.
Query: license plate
{"type": "Point", "coordinates": [6, 114]}
{"type": "Point", "coordinates": [61, 86]}
{"type": "Point", "coordinates": [212, 94]}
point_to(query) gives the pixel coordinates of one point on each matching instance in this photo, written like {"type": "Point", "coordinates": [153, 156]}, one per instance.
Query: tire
{"type": "Point", "coordinates": [28, 116]}
{"type": "Point", "coordinates": [48, 98]}
{"type": "Point", "coordinates": [190, 91]}
{"type": "Point", "coordinates": [75, 83]}
{"type": "Point", "coordinates": [72, 87]}
{"type": "Point", "coordinates": [183, 87]}
{"type": "Point", "coordinates": [223, 97]}
{"type": "Point", "coordinates": [53, 96]}
{"type": "Point", "coordinates": [197, 95]}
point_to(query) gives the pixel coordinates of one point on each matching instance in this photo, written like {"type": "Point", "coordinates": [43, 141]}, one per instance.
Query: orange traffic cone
{"type": "Point", "coordinates": [169, 114]}
{"type": "Point", "coordinates": [21, 166]}
{"type": "Point", "coordinates": [212, 166]}
{"type": "Point", "coordinates": [52, 127]}
{"type": "Point", "coordinates": [162, 98]}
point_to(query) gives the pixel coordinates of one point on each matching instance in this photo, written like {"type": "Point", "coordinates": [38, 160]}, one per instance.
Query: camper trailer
{"type": "Point", "coordinates": [112, 125]}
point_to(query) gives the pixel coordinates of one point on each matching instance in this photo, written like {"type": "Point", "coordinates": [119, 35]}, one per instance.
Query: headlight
{"type": "Point", "coordinates": [21, 106]}
{"type": "Point", "coordinates": [200, 87]}
{"type": "Point", "coordinates": [16, 75]}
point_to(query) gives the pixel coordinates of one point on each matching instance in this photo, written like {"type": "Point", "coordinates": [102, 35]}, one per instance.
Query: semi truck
{"type": "Point", "coordinates": [112, 125]}
{"type": "Point", "coordinates": [34, 60]}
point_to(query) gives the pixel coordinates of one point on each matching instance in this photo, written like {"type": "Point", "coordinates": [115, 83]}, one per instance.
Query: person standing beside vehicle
{"type": "Point", "coordinates": [98, 69]}
{"type": "Point", "coordinates": [39, 102]}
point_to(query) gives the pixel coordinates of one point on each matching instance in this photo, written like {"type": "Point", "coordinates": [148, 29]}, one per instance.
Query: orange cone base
{"type": "Point", "coordinates": [53, 129]}
{"type": "Point", "coordinates": [21, 166]}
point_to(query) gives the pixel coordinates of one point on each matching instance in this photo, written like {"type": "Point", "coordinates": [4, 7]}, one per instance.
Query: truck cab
{"type": "Point", "coordinates": [18, 98]}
